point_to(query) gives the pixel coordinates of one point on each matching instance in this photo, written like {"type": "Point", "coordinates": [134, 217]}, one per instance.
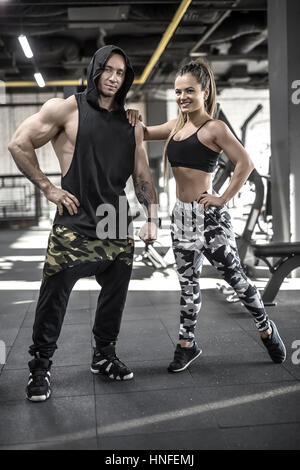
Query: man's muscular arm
{"type": "Point", "coordinates": [33, 133]}
{"type": "Point", "coordinates": [143, 185]}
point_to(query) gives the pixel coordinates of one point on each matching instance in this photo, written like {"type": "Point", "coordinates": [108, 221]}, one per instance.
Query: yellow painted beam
{"type": "Point", "coordinates": [147, 70]}
{"type": "Point", "coordinates": [50, 83]}
{"type": "Point", "coordinates": [164, 41]}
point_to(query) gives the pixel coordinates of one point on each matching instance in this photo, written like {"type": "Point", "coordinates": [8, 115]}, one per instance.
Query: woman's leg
{"type": "Point", "coordinates": [189, 265]}
{"type": "Point", "coordinates": [189, 260]}
{"type": "Point", "coordinates": [221, 250]}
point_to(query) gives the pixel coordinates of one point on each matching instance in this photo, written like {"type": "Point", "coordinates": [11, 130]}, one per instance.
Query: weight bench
{"type": "Point", "coordinates": [289, 259]}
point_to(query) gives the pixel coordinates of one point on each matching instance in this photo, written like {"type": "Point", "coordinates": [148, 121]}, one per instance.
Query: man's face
{"type": "Point", "coordinates": [113, 76]}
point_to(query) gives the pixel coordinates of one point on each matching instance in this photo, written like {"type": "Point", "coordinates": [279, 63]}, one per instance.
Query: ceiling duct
{"type": "Point", "coordinates": [129, 43]}
{"type": "Point", "coordinates": [198, 16]}
{"type": "Point", "coordinates": [152, 12]}
{"type": "Point", "coordinates": [104, 13]}
{"type": "Point", "coordinates": [35, 12]}
{"type": "Point", "coordinates": [31, 30]}
{"type": "Point", "coordinates": [237, 26]}
{"type": "Point", "coordinates": [246, 44]}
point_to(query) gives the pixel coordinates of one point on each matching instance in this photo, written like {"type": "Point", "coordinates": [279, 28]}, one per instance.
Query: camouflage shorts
{"type": "Point", "coordinates": [67, 249]}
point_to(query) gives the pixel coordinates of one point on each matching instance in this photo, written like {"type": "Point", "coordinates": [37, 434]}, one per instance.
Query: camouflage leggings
{"type": "Point", "coordinates": [197, 233]}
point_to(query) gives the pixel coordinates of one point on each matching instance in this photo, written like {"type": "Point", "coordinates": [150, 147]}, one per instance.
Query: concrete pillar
{"type": "Point", "coordinates": [157, 114]}
{"type": "Point", "coordinates": [284, 76]}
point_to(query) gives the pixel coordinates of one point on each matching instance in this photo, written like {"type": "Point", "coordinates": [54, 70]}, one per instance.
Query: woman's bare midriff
{"type": "Point", "coordinates": [190, 183]}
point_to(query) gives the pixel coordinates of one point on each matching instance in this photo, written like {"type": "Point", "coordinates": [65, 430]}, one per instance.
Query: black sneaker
{"type": "Point", "coordinates": [275, 345]}
{"type": "Point", "coordinates": [107, 363]}
{"type": "Point", "coordinates": [38, 387]}
{"type": "Point", "coordinates": [183, 357]}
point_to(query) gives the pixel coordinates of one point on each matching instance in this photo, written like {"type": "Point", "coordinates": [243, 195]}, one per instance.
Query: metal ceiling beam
{"type": "Point", "coordinates": [77, 65]}
{"type": "Point", "coordinates": [121, 2]}
{"type": "Point", "coordinates": [87, 4]}
{"type": "Point", "coordinates": [221, 4]}
{"type": "Point", "coordinates": [59, 83]}
{"type": "Point", "coordinates": [231, 57]}
{"type": "Point", "coordinates": [213, 28]}
{"type": "Point", "coordinates": [4, 22]}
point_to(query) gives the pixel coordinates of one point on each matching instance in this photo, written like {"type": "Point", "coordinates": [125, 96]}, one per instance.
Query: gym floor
{"type": "Point", "coordinates": [232, 397]}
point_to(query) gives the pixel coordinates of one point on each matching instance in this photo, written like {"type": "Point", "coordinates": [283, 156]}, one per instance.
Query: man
{"type": "Point", "coordinates": [97, 150]}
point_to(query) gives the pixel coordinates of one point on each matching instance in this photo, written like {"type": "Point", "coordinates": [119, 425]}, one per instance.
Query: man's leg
{"type": "Point", "coordinates": [114, 281]}
{"type": "Point", "coordinates": [51, 308]}
{"type": "Point", "coordinates": [111, 301]}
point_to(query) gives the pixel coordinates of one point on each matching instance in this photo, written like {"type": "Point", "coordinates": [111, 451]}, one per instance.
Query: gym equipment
{"type": "Point", "coordinates": [151, 257]}
{"type": "Point", "coordinates": [289, 259]}
{"type": "Point", "coordinates": [224, 171]}
{"type": "Point", "coordinates": [287, 254]}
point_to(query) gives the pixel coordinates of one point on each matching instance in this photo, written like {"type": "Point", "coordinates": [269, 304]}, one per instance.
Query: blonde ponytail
{"type": "Point", "coordinates": [210, 103]}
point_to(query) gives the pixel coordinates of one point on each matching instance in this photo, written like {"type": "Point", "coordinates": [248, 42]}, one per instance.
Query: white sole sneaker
{"type": "Point", "coordinates": [37, 398]}
{"type": "Point", "coordinates": [126, 377]}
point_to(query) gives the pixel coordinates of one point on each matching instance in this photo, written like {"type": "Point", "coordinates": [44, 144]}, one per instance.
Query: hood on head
{"type": "Point", "coordinates": [95, 69]}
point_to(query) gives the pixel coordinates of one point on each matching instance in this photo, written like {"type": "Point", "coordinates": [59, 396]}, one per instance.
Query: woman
{"type": "Point", "coordinates": [201, 225]}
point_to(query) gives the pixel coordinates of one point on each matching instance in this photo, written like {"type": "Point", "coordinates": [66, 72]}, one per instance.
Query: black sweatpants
{"type": "Point", "coordinates": [112, 272]}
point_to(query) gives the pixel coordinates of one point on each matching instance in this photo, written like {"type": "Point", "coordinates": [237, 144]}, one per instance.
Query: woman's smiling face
{"type": "Point", "coordinates": [189, 95]}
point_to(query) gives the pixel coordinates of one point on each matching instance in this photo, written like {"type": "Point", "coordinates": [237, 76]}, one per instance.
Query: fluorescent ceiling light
{"type": "Point", "coordinates": [25, 46]}
{"type": "Point", "coordinates": [39, 79]}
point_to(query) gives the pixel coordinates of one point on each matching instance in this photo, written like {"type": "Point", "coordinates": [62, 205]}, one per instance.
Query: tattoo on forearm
{"type": "Point", "coordinates": [144, 193]}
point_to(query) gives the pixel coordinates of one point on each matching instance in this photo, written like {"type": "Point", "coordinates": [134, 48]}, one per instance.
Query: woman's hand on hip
{"type": "Point", "coordinates": [211, 200]}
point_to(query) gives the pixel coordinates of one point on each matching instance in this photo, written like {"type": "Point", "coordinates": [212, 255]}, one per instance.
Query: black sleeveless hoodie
{"type": "Point", "coordinates": [103, 156]}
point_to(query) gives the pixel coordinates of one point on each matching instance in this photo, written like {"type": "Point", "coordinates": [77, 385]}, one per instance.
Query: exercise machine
{"type": "Point", "coordinates": [289, 259]}
{"type": "Point", "coordinates": [224, 172]}
{"type": "Point", "coordinates": [280, 257]}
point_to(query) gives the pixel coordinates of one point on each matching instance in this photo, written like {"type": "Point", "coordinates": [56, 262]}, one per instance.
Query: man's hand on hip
{"type": "Point", "coordinates": [62, 198]}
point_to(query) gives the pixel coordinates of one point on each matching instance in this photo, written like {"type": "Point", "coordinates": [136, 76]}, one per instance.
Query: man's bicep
{"type": "Point", "coordinates": [39, 128]}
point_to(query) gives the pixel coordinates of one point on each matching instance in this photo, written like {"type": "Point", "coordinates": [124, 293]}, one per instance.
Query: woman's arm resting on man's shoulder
{"type": "Point", "coordinates": [160, 132]}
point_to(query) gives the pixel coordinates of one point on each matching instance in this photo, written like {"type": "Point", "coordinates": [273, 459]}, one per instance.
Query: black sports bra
{"type": "Point", "coordinates": [191, 153]}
